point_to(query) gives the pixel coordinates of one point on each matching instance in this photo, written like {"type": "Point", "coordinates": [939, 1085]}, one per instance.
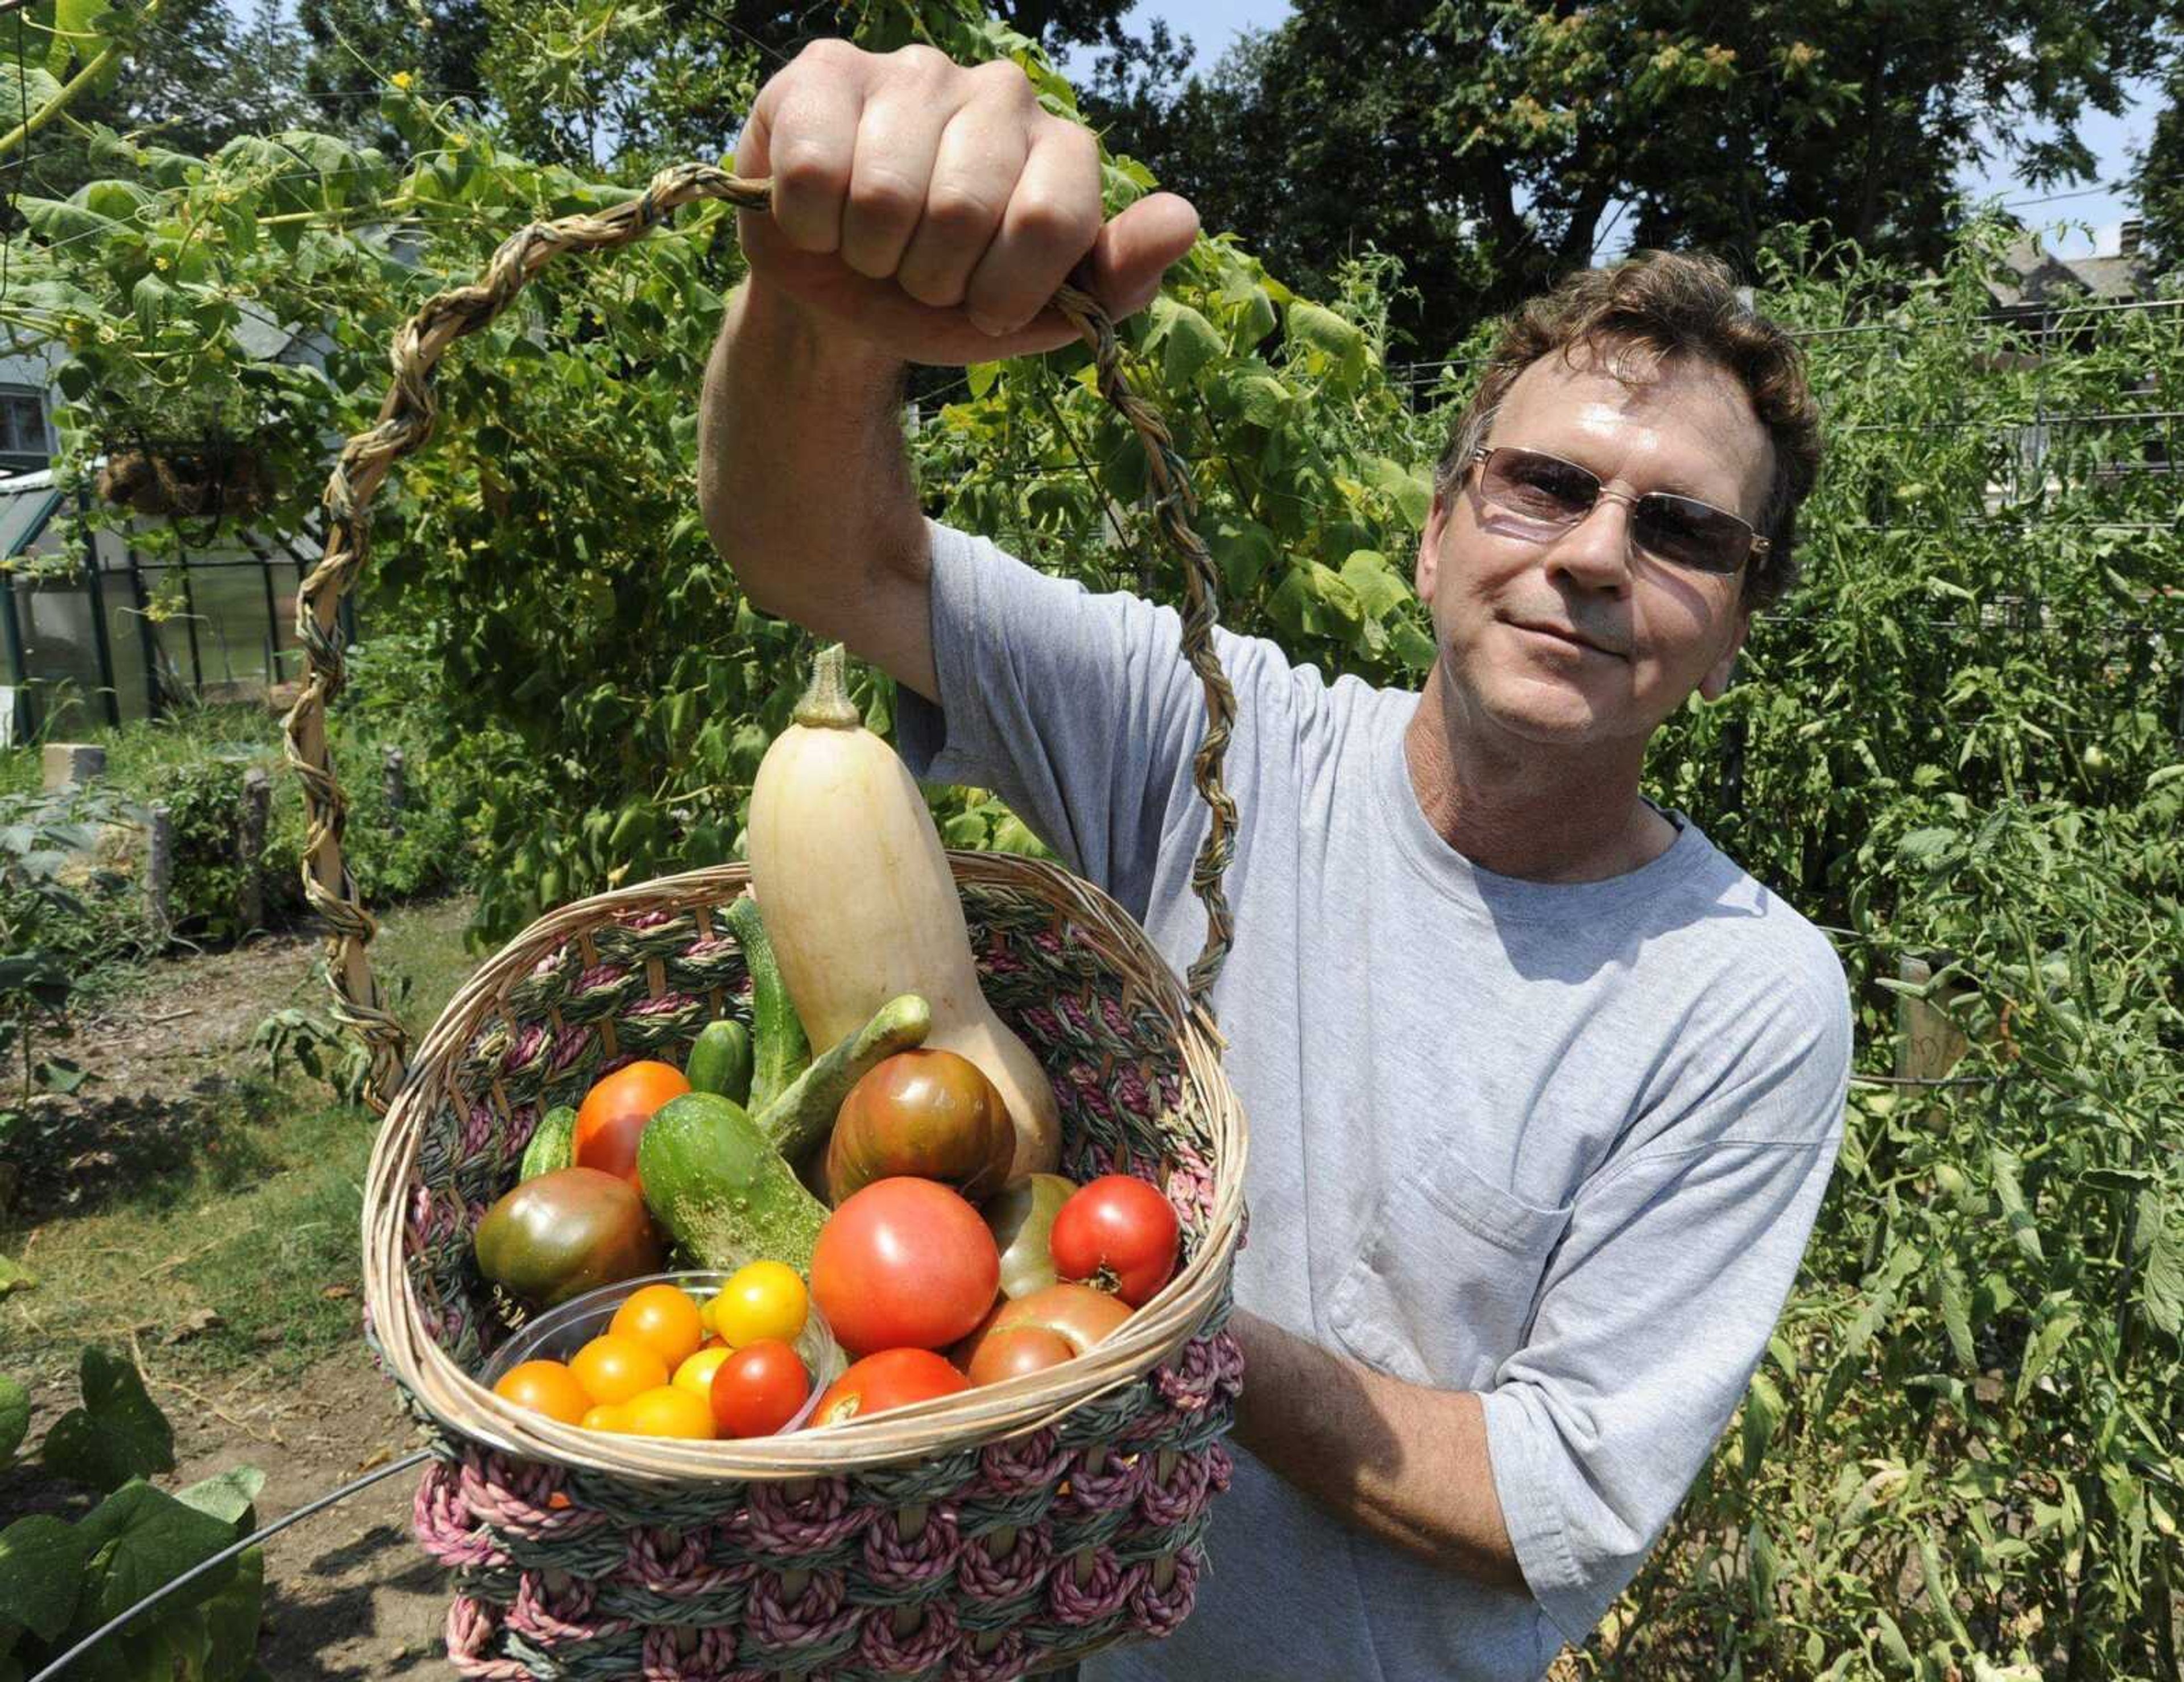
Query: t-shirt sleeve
{"type": "Point", "coordinates": [1078, 709]}
{"type": "Point", "coordinates": [1655, 1313]}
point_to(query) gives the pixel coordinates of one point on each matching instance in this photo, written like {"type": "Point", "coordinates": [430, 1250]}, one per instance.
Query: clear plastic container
{"type": "Point", "coordinates": [560, 1333]}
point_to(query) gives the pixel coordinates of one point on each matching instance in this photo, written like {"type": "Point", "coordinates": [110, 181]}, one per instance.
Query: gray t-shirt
{"type": "Point", "coordinates": [1559, 1145]}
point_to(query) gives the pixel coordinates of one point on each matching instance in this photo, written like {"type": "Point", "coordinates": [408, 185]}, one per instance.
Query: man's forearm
{"type": "Point", "coordinates": [802, 474]}
{"type": "Point", "coordinates": [1406, 1464]}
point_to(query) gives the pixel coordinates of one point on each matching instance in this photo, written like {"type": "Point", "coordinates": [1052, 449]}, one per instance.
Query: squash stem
{"type": "Point", "coordinates": [825, 704]}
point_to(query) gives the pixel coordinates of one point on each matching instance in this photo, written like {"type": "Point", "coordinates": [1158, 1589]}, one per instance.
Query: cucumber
{"type": "Point", "coordinates": [553, 1144]}
{"type": "Point", "coordinates": [720, 1060]}
{"type": "Point", "coordinates": [800, 1118]}
{"type": "Point", "coordinates": [779, 1050]}
{"type": "Point", "coordinates": [720, 1190]}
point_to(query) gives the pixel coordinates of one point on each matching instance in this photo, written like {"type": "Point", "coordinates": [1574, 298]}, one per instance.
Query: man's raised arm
{"type": "Point", "coordinates": [923, 212]}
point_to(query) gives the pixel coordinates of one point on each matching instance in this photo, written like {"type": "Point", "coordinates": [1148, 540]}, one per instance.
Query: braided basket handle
{"type": "Point", "coordinates": [406, 423]}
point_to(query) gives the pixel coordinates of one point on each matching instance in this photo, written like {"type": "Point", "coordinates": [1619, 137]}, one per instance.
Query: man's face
{"type": "Point", "coordinates": [1584, 639]}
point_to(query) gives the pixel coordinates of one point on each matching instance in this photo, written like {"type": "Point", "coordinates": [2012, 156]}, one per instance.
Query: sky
{"type": "Point", "coordinates": [1212, 24]}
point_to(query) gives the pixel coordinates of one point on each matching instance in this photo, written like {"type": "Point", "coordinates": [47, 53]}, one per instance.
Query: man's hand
{"type": "Point", "coordinates": [932, 210]}
{"type": "Point", "coordinates": [1403, 1463]}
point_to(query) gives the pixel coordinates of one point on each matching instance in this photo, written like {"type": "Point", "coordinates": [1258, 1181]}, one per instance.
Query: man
{"type": "Point", "coordinates": [1544, 1091]}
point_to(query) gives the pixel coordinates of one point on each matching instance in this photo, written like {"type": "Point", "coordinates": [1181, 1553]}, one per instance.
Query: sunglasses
{"type": "Point", "coordinates": [1540, 495]}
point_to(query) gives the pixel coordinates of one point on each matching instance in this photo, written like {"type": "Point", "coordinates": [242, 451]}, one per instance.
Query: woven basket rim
{"type": "Point", "coordinates": [465, 1408]}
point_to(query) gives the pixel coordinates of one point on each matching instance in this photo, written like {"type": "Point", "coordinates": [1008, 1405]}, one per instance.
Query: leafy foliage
{"type": "Point", "coordinates": [60, 1581]}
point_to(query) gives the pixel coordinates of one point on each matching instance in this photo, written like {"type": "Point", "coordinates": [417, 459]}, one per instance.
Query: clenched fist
{"type": "Point", "coordinates": [933, 210]}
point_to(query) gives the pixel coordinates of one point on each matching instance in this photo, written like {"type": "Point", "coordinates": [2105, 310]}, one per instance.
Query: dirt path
{"type": "Point", "coordinates": [348, 1594]}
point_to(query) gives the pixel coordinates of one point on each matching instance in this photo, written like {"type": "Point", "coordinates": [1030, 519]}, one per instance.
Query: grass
{"type": "Point", "coordinates": [252, 1249]}
{"type": "Point", "coordinates": [261, 1235]}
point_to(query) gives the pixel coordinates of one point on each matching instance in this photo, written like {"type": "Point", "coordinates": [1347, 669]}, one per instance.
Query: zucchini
{"type": "Point", "coordinates": [720, 1059]}
{"type": "Point", "coordinates": [779, 1050]}
{"type": "Point", "coordinates": [723, 1192]}
{"type": "Point", "coordinates": [553, 1144]}
{"type": "Point", "coordinates": [798, 1119]}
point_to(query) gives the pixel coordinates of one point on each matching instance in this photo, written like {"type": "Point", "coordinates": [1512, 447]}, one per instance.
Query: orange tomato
{"type": "Point", "coordinates": [612, 1117]}
{"type": "Point", "coordinates": [544, 1387]}
{"type": "Point", "coordinates": [668, 1412]}
{"type": "Point", "coordinates": [602, 1418]}
{"type": "Point", "coordinates": [613, 1369]}
{"type": "Point", "coordinates": [664, 1318]}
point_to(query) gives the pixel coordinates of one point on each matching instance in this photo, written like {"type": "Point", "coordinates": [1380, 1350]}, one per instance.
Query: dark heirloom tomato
{"type": "Point", "coordinates": [893, 1378]}
{"type": "Point", "coordinates": [923, 1112]}
{"type": "Point", "coordinates": [1119, 1234]}
{"type": "Point", "coordinates": [904, 1263]}
{"type": "Point", "coordinates": [557, 1235]}
{"type": "Point", "coordinates": [1044, 1329]}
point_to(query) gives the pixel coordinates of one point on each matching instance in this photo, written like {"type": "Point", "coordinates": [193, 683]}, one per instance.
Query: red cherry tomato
{"type": "Point", "coordinates": [1118, 1234]}
{"type": "Point", "coordinates": [758, 1389]}
{"type": "Point", "coordinates": [904, 1263]}
{"type": "Point", "coordinates": [893, 1378]}
{"type": "Point", "coordinates": [614, 1112]}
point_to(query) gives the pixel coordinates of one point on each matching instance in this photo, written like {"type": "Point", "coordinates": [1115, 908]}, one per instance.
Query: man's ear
{"type": "Point", "coordinates": [1427, 569]}
{"type": "Point", "coordinates": [1715, 684]}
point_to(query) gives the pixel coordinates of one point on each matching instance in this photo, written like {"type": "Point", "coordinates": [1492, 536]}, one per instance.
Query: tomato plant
{"type": "Point", "coordinates": [1120, 1234]}
{"type": "Point", "coordinates": [758, 1389]}
{"type": "Point", "coordinates": [904, 1263]}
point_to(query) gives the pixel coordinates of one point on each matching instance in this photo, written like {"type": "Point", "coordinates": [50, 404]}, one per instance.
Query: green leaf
{"type": "Point", "coordinates": [232, 1617]}
{"type": "Point", "coordinates": [14, 1277]}
{"type": "Point", "coordinates": [1763, 1570]}
{"type": "Point", "coordinates": [2041, 1351]}
{"type": "Point", "coordinates": [1891, 1639]}
{"type": "Point", "coordinates": [117, 1435]}
{"type": "Point", "coordinates": [1380, 594]}
{"type": "Point", "coordinates": [2009, 1190]}
{"type": "Point", "coordinates": [42, 1562]}
{"type": "Point", "coordinates": [14, 1417]}
{"type": "Point", "coordinates": [227, 1496]}
{"type": "Point", "coordinates": [1957, 1316]}
{"type": "Point", "coordinates": [1264, 399]}
{"type": "Point", "coordinates": [53, 220]}
{"type": "Point", "coordinates": [1324, 330]}
{"type": "Point", "coordinates": [140, 1539]}
{"type": "Point", "coordinates": [151, 298]}
{"type": "Point", "coordinates": [1187, 342]}
{"type": "Point", "coordinates": [1927, 847]}
{"type": "Point", "coordinates": [2163, 1287]}
{"type": "Point", "coordinates": [1244, 551]}
{"type": "Point", "coordinates": [1763, 1411]}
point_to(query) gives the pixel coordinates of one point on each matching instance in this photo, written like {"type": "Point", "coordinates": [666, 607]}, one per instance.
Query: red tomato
{"type": "Point", "coordinates": [758, 1389]}
{"type": "Point", "coordinates": [925, 1112]}
{"type": "Point", "coordinates": [1030, 1333]}
{"type": "Point", "coordinates": [904, 1263]}
{"type": "Point", "coordinates": [1118, 1234]}
{"type": "Point", "coordinates": [612, 1117]}
{"type": "Point", "coordinates": [893, 1378]}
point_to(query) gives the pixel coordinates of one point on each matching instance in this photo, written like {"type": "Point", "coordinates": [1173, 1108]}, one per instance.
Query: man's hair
{"type": "Point", "coordinates": [1661, 305]}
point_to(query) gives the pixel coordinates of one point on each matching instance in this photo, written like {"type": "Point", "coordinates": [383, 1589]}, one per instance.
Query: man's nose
{"type": "Point", "coordinates": [1596, 552]}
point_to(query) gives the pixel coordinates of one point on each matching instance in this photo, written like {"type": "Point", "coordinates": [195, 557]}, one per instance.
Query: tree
{"type": "Point", "coordinates": [187, 76]}
{"type": "Point", "coordinates": [2161, 179]}
{"type": "Point", "coordinates": [1486, 142]}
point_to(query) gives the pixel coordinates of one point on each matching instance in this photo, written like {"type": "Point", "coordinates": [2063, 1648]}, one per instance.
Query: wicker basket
{"type": "Point", "coordinates": [1009, 1529]}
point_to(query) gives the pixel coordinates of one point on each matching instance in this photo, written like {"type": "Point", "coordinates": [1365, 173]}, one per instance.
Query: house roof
{"type": "Point", "coordinates": [2042, 277]}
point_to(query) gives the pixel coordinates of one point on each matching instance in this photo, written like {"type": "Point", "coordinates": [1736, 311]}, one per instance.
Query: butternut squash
{"type": "Point", "coordinates": [858, 902]}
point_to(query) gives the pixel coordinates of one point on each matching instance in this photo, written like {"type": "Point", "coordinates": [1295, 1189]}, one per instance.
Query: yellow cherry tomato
{"type": "Point", "coordinates": [602, 1418]}
{"type": "Point", "coordinates": [664, 1318]}
{"type": "Point", "coordinates": [695, 1375]}
{"type": "Point", "coordinates": [764, 1300]}
{"type": "Point", "coordinates": [545, 1387]}
{"type": "Point", "coordinates": [668, 1411]}
{"type": "Point", "coordinates": [613, 1369]}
